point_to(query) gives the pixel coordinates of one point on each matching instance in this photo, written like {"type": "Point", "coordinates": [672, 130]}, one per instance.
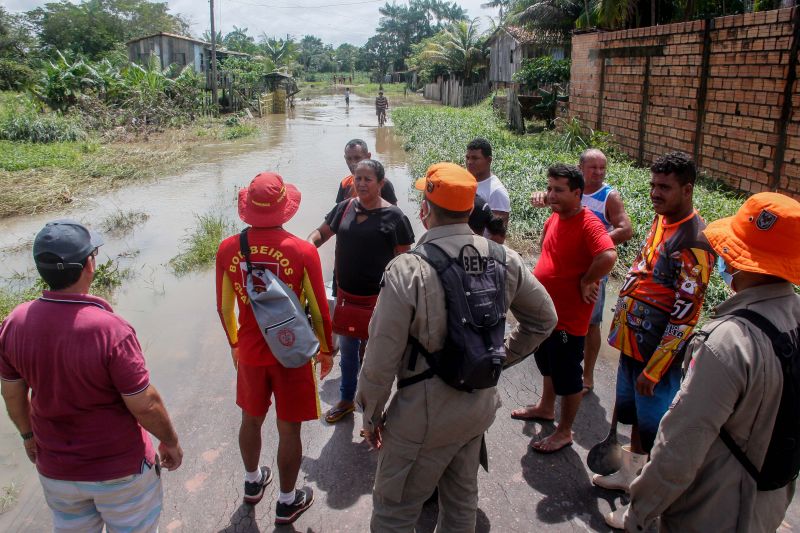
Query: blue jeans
{"type": "Point", "coordinates": [349, 362]}
{"type": "Point", "coordinates": [645, 411]}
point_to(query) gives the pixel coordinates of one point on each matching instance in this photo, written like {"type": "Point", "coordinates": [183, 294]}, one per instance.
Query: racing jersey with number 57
{"type": "Point", "coordinates": [662, 295]}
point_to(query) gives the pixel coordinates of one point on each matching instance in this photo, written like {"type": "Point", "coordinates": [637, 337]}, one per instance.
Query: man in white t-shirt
{"type": "Point", "coordinates": [479, 164]}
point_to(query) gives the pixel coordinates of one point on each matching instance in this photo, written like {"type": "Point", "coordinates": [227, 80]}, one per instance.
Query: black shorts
{"type": "Point", "coordinates": [560, 357]}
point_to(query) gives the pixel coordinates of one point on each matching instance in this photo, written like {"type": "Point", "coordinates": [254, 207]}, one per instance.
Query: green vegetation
{"type": "Point", "coordinates": [123, 222]}
{"type": "Point", "coordinates": [10, 297]}
{"type": "Point", "coordinates": [22, 156]}
{"type": "Point", "coordinates": [543, 71]}
{"type": "Point", "coordinates": [440, 134]}
{"type": "Point", "coordinates": [35, 177]}
{"type": "Point", "coordinates": [201, 243]}
{"type": "Point", "coordinates": [27, 286]}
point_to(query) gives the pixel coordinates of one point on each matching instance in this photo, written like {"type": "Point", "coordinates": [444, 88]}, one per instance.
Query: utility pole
{"type": "Point", "coordinates": [213, 61]}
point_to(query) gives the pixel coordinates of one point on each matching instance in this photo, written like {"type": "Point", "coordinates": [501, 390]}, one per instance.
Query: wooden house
{"type": "Point", "coordinates": [176, 50]}
{"type": "Point", "coordinates": [509, 45]}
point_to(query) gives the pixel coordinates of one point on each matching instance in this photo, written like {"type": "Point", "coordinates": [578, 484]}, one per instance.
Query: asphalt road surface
{"type": "Point", "coordinates": [522, 492]}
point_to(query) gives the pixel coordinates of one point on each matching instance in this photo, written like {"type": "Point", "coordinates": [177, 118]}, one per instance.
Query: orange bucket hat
{"type": "Point", "coordinates": [268, 201]}
{"type": "Point", "coordinates": [761, 237]}
{"type": "Point", "coordinates": [449, 186]}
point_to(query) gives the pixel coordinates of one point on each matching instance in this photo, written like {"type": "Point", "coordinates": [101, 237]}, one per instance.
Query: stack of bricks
{"type": "Point", "coordinates": [729, 118]}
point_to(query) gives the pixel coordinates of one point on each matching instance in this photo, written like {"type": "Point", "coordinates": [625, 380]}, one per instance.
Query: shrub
{"type": "Point", "coordinates": [45, 128]}
{"type": "Point", "coordinates": [543, 71]}
{"type": "Point", "coordinates": [14, 75]}
{"type": "Point", "coordinates": [200, 245]}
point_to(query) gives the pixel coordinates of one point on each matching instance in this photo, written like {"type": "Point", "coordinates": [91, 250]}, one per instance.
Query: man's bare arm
{"type": "Point", "coordinates": [617, 217]}
{"type": "Point", "coordinates": [149, 410]}
{"type": "Point", "coordinates": [15, 395]}
{"type": "Point", "coordinates": [320, 236]}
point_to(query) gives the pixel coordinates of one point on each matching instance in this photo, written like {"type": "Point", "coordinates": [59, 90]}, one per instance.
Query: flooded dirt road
{"type": "Point", "coordinates": [189, 360]}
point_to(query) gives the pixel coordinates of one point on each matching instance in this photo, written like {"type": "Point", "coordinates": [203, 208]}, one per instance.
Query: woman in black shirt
{"type": "Point", "coordinates": [369, 233]}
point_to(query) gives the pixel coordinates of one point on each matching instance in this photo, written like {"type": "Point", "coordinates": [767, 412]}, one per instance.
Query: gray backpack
{"type": "Point", "coordinates": [281, 318]}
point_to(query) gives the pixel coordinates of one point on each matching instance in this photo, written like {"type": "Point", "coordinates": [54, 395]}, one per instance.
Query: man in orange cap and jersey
{"type": "Point", "coordinates": [433, 433]}
{"type": "Point", "coordinates": [733, 383]}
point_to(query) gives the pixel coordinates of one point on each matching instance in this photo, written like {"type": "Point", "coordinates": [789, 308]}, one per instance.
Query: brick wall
{"type": "Point", "coordinates": [714, 89]}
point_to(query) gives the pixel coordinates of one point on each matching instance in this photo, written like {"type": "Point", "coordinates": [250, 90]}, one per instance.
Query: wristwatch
{"type": "Point", "coordinates": [26, 436]}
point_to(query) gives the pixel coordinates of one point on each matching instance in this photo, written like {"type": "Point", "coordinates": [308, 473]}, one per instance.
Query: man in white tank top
{"type": "Point", "coordinates": [606, 203]}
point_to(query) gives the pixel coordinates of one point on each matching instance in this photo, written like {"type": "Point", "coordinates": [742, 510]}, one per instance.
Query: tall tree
{"type": "Point", "coordinates": [16, 40]}
{"type": "Point", "coordinates": [97, 26]}
{"type": "Point", "coordinates": [401, 26]}
{"type": "Point", "coordinates": [346, 57]}
{"type": "Point", "coordinates": [460, 48]}
{"type": "Point", "coordinates": [376, 55]}
{"type": "Point", "coordinates": [239, 41]}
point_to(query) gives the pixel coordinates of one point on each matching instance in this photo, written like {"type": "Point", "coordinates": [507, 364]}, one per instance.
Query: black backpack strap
{"type": "Point", "coordinates": [416, 349]}
{"type": "Point", "coordinates": [774, 335]}
{"type": "Point", "coordinates": [737, 452]}
{"type": "Point", "coordinates": [244, 247]}
{"type": "Point", "coordinates": [497, 251]}
{"type": "Point", "coordinates": [433, 255]}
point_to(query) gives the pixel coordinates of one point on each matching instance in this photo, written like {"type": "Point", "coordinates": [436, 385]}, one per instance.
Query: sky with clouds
{"type": "Point", "coordinates": [335, 21]}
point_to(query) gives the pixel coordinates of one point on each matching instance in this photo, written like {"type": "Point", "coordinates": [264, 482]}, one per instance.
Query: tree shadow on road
{"type": "Point", "coordinates": [567, 490]}
{"type": "Point", "coordinates": [345, 470]}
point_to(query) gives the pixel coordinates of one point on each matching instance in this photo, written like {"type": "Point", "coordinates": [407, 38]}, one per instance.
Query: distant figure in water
{"type": "Point", "coordinates": [381, 105]}
{"type": "Point", "coordinates": [347, 96]}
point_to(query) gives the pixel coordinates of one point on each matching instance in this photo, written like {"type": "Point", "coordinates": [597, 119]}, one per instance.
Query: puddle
{"type": "Point", "coordinates": [175, 318]}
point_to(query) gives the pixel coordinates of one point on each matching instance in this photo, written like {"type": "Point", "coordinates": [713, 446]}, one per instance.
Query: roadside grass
{"type": "Point", "coordinates": [371, 89]}
{"type": "Point", "coordinates": [26, 286]}
{"type": "Point", "coordinates": [41, 177]}
{"type": "Point", "coordinates": [201, 243]}
{"type": "Point", "coordinates": [238, 131]}
{"type": "Point", "coordinates": [434, 133]}
{"type": "Point", "coordinates": [25, 155]}
{"type": "Point", "coordinates": [8, 496]}
{"type": "Point", "coordinates": [122, 222]}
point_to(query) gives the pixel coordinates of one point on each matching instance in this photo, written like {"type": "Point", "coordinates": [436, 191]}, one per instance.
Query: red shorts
{"type": "Point", "coordinates": [295, 390]}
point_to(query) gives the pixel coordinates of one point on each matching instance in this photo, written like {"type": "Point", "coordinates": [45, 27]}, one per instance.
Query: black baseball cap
{"type": "Point", "coordinates": [70, 241]}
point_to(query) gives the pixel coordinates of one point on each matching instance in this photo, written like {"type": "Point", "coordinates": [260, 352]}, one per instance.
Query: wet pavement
{"type": "Point", "coordinates": [189, 360]}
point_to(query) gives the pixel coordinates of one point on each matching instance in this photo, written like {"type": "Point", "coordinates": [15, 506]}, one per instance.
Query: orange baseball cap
{"type": "Point", "coordinates": [761, 237]}
{"type": "Point", "coordinates": [449, 186]}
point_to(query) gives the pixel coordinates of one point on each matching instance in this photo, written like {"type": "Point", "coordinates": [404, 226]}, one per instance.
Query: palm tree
{"type": "Point", "coordinates": [461, 49]}
{"type": "Point", "coordinates": [502, 4]}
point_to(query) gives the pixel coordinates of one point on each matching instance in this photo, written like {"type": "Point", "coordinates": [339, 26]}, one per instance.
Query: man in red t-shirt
{"type": "Point", "coordinates": [76, 387]}
{"type": "Point", "coordinates": [266, 205]}
{"type": "Point", "coordinates": [576, 254]}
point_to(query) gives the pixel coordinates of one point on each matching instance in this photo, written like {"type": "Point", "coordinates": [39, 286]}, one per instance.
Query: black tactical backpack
{"type": "Point", "coordinates": [782, 463]}
{"type": "Point", "coordinates": [474, 350]}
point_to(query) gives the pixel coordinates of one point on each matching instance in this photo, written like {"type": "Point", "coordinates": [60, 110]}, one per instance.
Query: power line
{"type": "Point", "coordinates": [272, 6]}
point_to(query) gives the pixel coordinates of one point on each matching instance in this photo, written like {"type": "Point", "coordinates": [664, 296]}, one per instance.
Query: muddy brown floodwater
{"type": "Point", "coordinates": [175, 317]}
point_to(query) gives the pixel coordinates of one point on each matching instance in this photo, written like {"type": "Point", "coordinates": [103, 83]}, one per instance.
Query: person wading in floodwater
{"type": "Point", "coordinates": [381, 105]}
{"type": "Point", "coordinates": [369, 233]}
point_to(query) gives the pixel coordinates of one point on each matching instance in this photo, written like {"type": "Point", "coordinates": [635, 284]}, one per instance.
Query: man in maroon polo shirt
{"type": "Point", "coordinates": [91, 404]}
